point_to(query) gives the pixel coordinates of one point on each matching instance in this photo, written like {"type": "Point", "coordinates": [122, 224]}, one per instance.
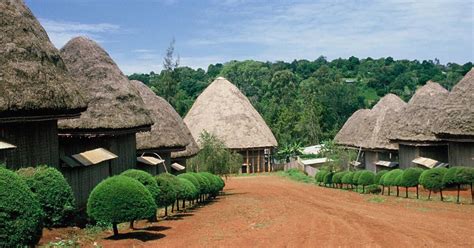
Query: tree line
{"type": "Point", "coordinates": [304, 101]}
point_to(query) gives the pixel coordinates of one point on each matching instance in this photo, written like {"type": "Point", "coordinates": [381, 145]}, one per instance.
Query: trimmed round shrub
{"type": "Point", "coordinates": [373, 189]}
{"type": "Point", "coordinates": [193, 180]}
{"type": "Point", "coordinates": [390, 179]}
{"type": "Point", "coordinates": [146, 179]}
{"type": "Point", "coordinates": [432, 180]}
{"type": "Point", "coordinates": [355, 178]}
{"type": "Point", "coordinates": [328, 178]}
{"type": "Point", "coordinates": [20, 212]}
{"type": "Point", "coordinates": [366, 178]}
{"type": "Point", "coordinates": [378, 177]}
{"type": "Point", "coordinates": [214, 181]}
{"type": "Point", "coordinates": [120, 199]}
{"type": "Point", "coordinates": [457, 176]}
{"type": "Point", "coordinates": [205, 185]}
{"type": "Point", "coordinates": [337, 177]}
{"type": "Point", "coordinates": [221, 182]}
{"type": "Point", "coordinates": [53, 193]}
{"type": "Point", "coordinates": [410, 177]}
{"type": "Point", "coordinates": [347, 178]}
{"type": "Point", "coordinates": [187, 191]}
{"type": "Point", "coordinates": [320, 176]}
{"type": "Point", "coordinates": [168, 188]}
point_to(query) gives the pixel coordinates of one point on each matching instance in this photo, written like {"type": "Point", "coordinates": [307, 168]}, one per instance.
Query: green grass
{"type": "Point", "coordinates": [296, 175]}
{"type": "Point", "coordinates": [376, 199]}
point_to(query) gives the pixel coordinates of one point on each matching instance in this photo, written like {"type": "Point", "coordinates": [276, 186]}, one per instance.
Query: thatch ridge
{"type": "Point", "coordinates": [457, 116]}
{"type": "Point", "coordinates": [224, 111]}
{"type": "Point", "coordinates": [34, 82]}
{"type": "Point", "coordinates": [169, 130]}
{"type": "Point", "coordinates": [113, 101]}
{"type": "Point", "coordinates": [191, 149]}
{"type": "Point", "coordinates": [415, 121]}
{"type": "Point", "coordinates": [356, 129]}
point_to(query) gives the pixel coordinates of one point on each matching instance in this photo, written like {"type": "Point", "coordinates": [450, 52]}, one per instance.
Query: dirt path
{"type": "Point", "coordinates": [270, 211]}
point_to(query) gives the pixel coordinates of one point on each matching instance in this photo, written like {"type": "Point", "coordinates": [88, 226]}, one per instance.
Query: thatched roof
{"type": "Point", "coordinates": [113, 101]}
{"type": "Point", "coordinates": [191, 149]}
{"type": "Point", "coordinates": [457, 116]}
{"type": "Point", "coordinates": [369, 129]}
{"type": "Point", "coordinates": [34, 82]}
{"type": "Point", "coordinates": [383, 114]}
{"type": "Point", "coordinates": [224, 111]}
{"type": "Point", "coordinates": [356, 130]}
{"type": "Point", "coordinates": [415, 121]}
{"type": "Point", "coordinates": [169, 130]}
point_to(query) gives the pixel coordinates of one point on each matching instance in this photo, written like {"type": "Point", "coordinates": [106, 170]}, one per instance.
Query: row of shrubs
{"type": "Point", "coordinates": [33, 198]}
{"type": "Point", "coordinates": [435, 179]}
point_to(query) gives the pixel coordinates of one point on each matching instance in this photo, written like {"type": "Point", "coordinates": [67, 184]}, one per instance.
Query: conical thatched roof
{"type": "Point", "coordinates": [457, 116]}
{"type": "Point", "coordinates": [383, 114]}
{"type": "Point", "coordinates": [34, 82]}
{"type": "Point", "coordinates": [224, 111]}
{"type": "Point", "coordinates": [113, 101]}
{"type": "Point", "coordinates": [369, 129]}
{"type": "Point", "coordinates": [415, 121]}
{"type": "Point", "coordinates": [356, 130]}
{"type": "Point", "coordinates": [169, 130]}
{"type": "Point", "coordinates": [191, 149]}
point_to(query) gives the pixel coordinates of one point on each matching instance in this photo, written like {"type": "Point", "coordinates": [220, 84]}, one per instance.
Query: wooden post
{"type": "Point", "coordinates": [248, 167]}
{"type": "Point", "coordinates": [269, 158]}
{"type": "Point", "coordinates": [253, 162]}
{"type": "Point", "coordinates": [258, 160]}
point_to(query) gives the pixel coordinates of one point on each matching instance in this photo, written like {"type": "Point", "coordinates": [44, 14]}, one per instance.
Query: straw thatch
{"type": "Point", "coordinates": [113, 101]}
{"type": "Point", "coordinates": [191, 149]}
{"type": "Point", "coordinates": [169, 130]}
{"type": "Point", "coordinates": [225, 112]}
{"type": "Point", "coordinates": [415, 121]}
{"type": "Point", "coordinates": [457, 117]}
{"type": "Point", "coordinates": [369, 129]}
{"type": "Point", "coordinates": [34, 83]}
{"type": "Point", "coordinates": [383, 114]}
{"type": "Point", "coordinates": [356, 129]}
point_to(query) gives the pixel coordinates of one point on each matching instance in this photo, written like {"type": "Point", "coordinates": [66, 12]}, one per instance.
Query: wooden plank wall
{"type": "Point", "coordinates": [461, 154]}
{"type": "Point", "coordinates": [37, 143]}
{"type": "Point", "coordinates": [255, 159]}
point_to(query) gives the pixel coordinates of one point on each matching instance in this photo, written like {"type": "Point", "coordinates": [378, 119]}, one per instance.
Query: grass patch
{"type": "Point", "coordinates": [297, 175]}
{"type": "Point", "coordinates": [376, 199]}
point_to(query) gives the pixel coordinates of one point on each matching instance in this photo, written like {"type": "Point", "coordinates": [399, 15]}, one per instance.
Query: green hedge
{"type": "Point", "coordinates": [147, 180]}
{"type": "Point", "coordinates": [120, 199]}
{"type": "Point", "coordinates": [53, 193]}
{"type": "Point", "coordinates": [378, 177]}
{"type": "Point", "coordinates": [327, 180]}
{"type": "Point", "coordinates": [20, 212]}
{"type": "Point", "coordinates": [347, 178]}
{"type": "Point", "coordinates": [355, 178]}
{"type": "Point", "coordinates": [432, 180]}
{"type": "Point", "coordinates": [320, 176]}
{"type": "Point", "coordinates": [186, 191]}
{"type": "Point", "coordinates": [337, 177]}
{"type": "Point", "coordinates": [190, 176]}
{"type": "Point", "coordinates": [169, 190]}
{"type": "Point", "coordinates": [214, 181]}
{"type": "Point", "coordinates": [205, 185]}
{"type": "Point", "coordinates": [365, 178]}
{"type": "Point", "coordinates": [410, 178]}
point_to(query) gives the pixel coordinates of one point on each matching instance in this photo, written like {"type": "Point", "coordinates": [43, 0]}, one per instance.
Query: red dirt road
{"type": "Point", "coordinates": [271, 211]}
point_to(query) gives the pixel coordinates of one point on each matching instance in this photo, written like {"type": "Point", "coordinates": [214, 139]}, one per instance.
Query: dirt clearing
{"type": "Point", "coordinates": [271, 211]}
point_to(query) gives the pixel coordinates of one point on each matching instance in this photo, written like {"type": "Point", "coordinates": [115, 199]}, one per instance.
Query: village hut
{"type": "Point", "coordinates": [368, 130]}
{"type": "Point", "coordinates": [180, 158]}
{"type": "Point", "coordinates": [35, 90]}
{"type": "Point", "coordinates": [412, 129]}
{"type": "Point", "coordinates": [100, 143]}
{"type": "Point", "coordinates": [168, 134]}
{"type": "Point", "coordinates": [225, 112]}
{"type": "Point", "coordinates": [455, 124]}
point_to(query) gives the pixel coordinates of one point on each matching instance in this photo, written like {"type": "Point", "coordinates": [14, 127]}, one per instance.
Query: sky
{"type": "Point", "coordinates": [136, 33]}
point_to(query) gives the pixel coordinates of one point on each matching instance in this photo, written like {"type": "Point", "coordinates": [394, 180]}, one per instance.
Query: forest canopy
{"type": "Point", "coordinates": [305, 101]}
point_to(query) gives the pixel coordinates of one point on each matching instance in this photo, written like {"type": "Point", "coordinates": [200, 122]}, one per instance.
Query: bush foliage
{"type": "Point", "coordinates": [168, 188]}
{"type": "Point", "coordinates": [390, 179]}
{"type": "Point", "coordinates": [366, 178]}
{"type": "Point", "coordinates": [147, 180]}
{"type": "Point", "coordinates": [410, 177]}
{"type": "Point", "coordinates": [186, 191]}
{"type": "Point", "coordinates": [347, 178]}
{"type": "Point", "coordinates": [20, 212]}
{"type": "Point", "coordinates": [432, 179]}
{"type": "Point", "coordinates": [190, 177]}
{"type": "Point", "coordinates": [120, 199]}
{"type": "Point", "coordinates": [53, 193]}
{"type": "Point", "coordinates": [378, 177]}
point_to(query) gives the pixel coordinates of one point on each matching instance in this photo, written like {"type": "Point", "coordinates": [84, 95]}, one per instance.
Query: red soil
{"type": "Point", "coordinates": [270, 211]}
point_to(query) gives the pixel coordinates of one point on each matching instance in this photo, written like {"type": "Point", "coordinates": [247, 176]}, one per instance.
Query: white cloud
{"type": "Point", "coordinates": [60, 32]}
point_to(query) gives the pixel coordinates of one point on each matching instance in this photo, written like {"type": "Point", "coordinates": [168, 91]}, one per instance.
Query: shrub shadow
{"type": "Point", "coordinates": [155, 228]}
{"type": "Point", "coordinates": [139, 235]}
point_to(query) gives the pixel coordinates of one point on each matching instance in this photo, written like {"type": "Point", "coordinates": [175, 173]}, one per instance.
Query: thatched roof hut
{"type": "Point", "coordinates": [415, 121]}
{"type": "Point", "coordinates": [356, 129]}
{"type": "Point", "coordinates": [114, 104]}
{"type": "Point", "coordinates": [34, 82]}
{"type": "Point", "coordinates": [457, 116]}
{"type": "Point", "coordinates": [191, 149]}
{"type": "Point", "coordinates": [169, 130]}
{"type": "Point", "coordinates": [224, 111]}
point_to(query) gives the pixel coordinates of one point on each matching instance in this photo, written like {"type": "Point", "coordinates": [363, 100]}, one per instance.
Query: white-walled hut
{"type": "Point", "coordinates": [412, 129]}
{"type": "Point", "coordinates": [225, 112]}
{"type": "Point", "coordinates": [456, 122]}
{"type": "Point", "coordinates": [368, 132]}
{"type": "Point", "coordinates": [168, 134]}
{"type": "Point", "coordinates": [35, 90]}
{"type": "Point", "coordinates": [100, 143]}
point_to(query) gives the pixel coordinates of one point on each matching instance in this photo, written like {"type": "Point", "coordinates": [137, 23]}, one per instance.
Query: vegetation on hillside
{"type": "Point", "coordinates": [304, 101]}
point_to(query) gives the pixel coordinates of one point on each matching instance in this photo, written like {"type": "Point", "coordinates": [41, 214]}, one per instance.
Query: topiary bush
{"type": "Point", "coordinates": [20, 212]}
{"type": "Point", "coordinates": [365, 178]}
{"type": "Point", "coordinates": [214, 181]}
{"type": "Point", "coordinates": [320, 176]}
{"type": "Point", "coordinates": [187, 191]}
{"type": "Point", "coordinates": [457, 176]}
{"type": "Point", "coordinates": [355, 178]}
{"type": "Point", "coordinates": [347, 178]}
{"type": "Point", "coordinates": [205, 185]}
{"type": "Point", "coordinates": [432, 180]}
{"type": "Point", "coordinates": [146, 179]}
{"type": "Point", "coordinates": [410, 178]}
{"type": "Point", "coordinates": [120, 199]}
{"type": "Point", "coordinates": [193, 180]}
{"type": "Point", "coordinates": [169, 190]}
{"type": "Point", "coordinates": [379, 179]}
{"type": "Point", "coordinates": [337, 178]}
{"type": "Point", "coordinates": [53, 193]}
{"type": "Point", "coordinates": [327, 180]}
{"type": "Point", "coordinates": [390, 179]}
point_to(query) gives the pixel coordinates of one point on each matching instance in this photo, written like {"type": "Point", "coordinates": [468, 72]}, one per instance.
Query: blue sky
{"type": "Point", "coordinates": [136, 33]}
